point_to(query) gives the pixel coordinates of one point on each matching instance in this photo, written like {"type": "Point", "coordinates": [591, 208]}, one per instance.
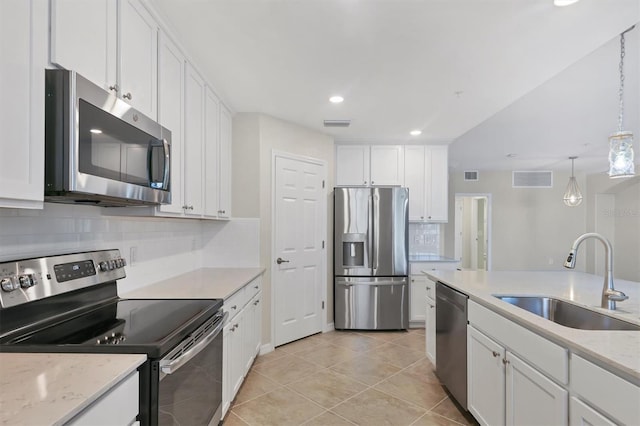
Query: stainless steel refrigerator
{"type": "Point", "coordinates": [371, 286]}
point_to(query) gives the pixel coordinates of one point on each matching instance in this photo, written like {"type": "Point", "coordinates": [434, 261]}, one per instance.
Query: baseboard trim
{"type": "Point", "coordinates": [266, 348]}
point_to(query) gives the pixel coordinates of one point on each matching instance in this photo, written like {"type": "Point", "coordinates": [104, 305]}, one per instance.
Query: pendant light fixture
{"type": "Point", "coordinates": [621, 142]}
{"type": "Point", "coordinates": [572, 196]}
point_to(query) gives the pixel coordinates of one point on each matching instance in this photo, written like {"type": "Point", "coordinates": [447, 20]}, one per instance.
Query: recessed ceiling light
{"type": "Point", "coordinates": [336, 99]}
{"type": "Point", "coordinates": [96, 131]}
{"type": "Point", "coordinates": [415, 132]}
{"type": "Point", "coordinates": [562, 3]}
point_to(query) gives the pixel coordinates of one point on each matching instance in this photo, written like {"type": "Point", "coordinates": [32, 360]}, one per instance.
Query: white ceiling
{"type": "Point", "coordinates": [491, 76]}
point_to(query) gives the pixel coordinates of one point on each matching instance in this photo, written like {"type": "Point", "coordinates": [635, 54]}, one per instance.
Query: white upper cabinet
{"type": "Point", "coordinates": [212, 153]}
{"type": "Point", "coordinates": [426, 175]}
{"type": "Point", "coordinates": [194, 124]}
{"type": "Point", "coordinates": [84, 39]}
{"type": "Point", "coordinates": [369, 165]}
{"type": "Point", "coordinates": [171, 66]}
{"type": "Point", "coordinates": [23, 42]}
{"type": "Point", "coordinates": [387, 165]}
{"type": "Point", "coordinates": [352, 165]}
{"type": "Point", "coordinates": [224, 201]}
{"type": "Point", "coordinates": [138, 43]}
{"type": "Point", "coordinates": [112, 43]}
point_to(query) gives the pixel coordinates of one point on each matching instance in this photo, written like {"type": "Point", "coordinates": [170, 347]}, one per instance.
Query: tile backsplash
{"type": "Point", "coordinates": [155, 248]}
{"type": "Point", "coordinates": [425, 239]}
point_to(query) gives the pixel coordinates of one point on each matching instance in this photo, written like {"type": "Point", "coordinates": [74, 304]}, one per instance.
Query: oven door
{"type": "Point", "coordinates": [188, 381]}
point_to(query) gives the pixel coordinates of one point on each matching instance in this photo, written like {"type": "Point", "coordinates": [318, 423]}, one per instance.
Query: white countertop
{"type": "Point", "coordinates": [618, 350]}
{"type": "Point", "coordinates": [203, 283]}
{"type": "Point", "coordinates": [430, 258]}
{"type": "Point", "coordinates": [49, 389]}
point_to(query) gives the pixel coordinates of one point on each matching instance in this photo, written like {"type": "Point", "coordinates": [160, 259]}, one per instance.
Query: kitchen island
{"type": "Point", "coordinates": [550, 373]}
{"type": "Point", "coordinates": [54, 388]}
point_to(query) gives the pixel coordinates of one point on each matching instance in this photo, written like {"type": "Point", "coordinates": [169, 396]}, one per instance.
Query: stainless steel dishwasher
{"type": "Point", "coordinates": [451, 341]}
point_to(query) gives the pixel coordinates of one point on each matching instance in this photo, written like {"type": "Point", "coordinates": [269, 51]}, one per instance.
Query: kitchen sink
{"type": "Point", "coordinates": [568, 314]}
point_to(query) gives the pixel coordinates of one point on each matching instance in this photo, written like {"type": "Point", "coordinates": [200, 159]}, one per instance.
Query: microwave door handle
{"type": "Point", "coordinates": [167, 164]}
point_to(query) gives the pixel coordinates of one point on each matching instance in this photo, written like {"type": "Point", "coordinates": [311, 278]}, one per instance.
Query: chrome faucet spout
{"type": "Point", "coordinates": [609, 294]}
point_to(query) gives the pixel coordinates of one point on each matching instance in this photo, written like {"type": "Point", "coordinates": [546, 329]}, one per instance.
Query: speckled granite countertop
{"type": "Point", "coordinates": [619, 351]}
{"type": "Point", "coordinates": [203, 283]}
{"type": "Point", "coordinates": [49, 389]}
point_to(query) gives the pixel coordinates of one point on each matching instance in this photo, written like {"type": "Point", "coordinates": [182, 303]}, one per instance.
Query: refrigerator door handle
{"type": "Point", "coordinates": [371, 235]}
{"type": "Point", "coordinates": [372, 283]}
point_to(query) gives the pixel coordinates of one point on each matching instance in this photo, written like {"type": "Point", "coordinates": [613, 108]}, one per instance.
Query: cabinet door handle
{"type": "Point", "coordinates": [256, 287]}
{"type": "Point", "coordinates": [234, 307]}
{"type": "Point", "coordinates": [256, 302]}
{"type": "Point", "coordinates": [506, 361]}
{"type": "Point", "coordinates": [114, 88]}
{"type": "Point", "coordinates": [432, 306]}
{"type": "Point", "coordinates": [428, 288]}
{"type": "Point", "coordinates": [281, 260]}
{"type": "Point", "coordinates": [495, 354]}
{"type": "Point", "coordinates": [127, 96]}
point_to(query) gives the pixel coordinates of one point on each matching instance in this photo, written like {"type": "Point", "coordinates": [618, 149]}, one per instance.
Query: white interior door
{"type": "Point", "coordinates": [299, 227]}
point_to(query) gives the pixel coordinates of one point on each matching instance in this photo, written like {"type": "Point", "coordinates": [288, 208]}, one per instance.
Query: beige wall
{"type": "Point", "coordinates": [257, 136]}
{"type": "Point", "coordinates": [531, 229]}
{"type": "Point", "coordinates": [618, 219]}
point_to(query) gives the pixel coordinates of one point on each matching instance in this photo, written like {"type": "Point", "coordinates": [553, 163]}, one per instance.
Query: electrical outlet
{"type": "Point", "coordinates": [133, 255]}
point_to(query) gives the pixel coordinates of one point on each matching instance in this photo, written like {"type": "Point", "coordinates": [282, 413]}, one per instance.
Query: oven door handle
{"type": "Point", "coordinates": [174, 365]}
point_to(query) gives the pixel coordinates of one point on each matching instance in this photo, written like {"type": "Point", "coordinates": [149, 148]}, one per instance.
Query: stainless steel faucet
{"type": "Point", "coordinates": [609, 294]}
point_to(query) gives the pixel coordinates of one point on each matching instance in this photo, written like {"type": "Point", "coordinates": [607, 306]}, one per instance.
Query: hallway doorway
{"type": "Point", "coordinates": [473, 231]}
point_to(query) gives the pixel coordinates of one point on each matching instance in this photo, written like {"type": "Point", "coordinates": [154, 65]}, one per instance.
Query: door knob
{"type": "Point", "coordinates": [281, 260]}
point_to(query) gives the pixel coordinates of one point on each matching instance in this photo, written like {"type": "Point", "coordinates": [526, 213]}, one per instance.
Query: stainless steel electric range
{"type": "Point", "coordinates": [69, 303]}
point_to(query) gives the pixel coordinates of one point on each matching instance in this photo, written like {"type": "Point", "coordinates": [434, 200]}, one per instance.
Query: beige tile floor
{"type": "Point", "coordinates": [346, 378]}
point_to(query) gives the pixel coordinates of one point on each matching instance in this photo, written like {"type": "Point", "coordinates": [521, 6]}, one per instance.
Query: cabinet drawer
{"type": "Point", "coordinates": [611, 394]}
{"type": "Point", "coordinates": [119, 406]}
{"type": "Point", "coordinates": [235, 302]}
{"type": "Point", "coordinates": [545, 355]}
{"type": "Point", "coordinates": [253, 288]}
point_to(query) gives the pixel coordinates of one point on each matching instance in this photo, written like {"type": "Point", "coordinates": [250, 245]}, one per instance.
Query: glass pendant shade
{"type": "Point", "coordinates": [621, 155]}
{"type": "Point", "coordinates": [572, 196]}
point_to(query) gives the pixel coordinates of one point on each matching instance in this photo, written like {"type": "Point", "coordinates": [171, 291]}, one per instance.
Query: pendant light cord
{"type": "Point", "coordinates": [621, 91]}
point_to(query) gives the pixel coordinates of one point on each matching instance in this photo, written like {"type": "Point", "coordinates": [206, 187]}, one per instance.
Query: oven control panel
{"type": "Point", "coordinates": [27, 280]}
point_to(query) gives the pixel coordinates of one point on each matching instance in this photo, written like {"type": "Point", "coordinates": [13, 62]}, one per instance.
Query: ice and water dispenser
{"type": "Point", "coordinates": [353, 250]}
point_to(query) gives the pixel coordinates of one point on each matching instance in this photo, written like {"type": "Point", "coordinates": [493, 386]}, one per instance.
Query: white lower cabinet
{"type": "Point", "coordinates": [430, 330]}
{"type": "Point", "coordinates": [485, 379]}
{"type": "Point", "coordinates": [242, 337]}
{"type": "Point", "coordinates": [417, 296]}
{"type": "Point", "coordinates": [503, 389]}
{"type": "Point", "coordinates": [604, 395]}
{"type": "Point", "coordinates": [532, 398]}
{"type": "Point", "coordinates": [119, 406]}
{"type": "Point", "coordinates": [583, 415]}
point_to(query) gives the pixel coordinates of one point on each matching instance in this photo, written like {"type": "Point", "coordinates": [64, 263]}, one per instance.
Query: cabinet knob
{"type": "Point", "coordinates": [428, 288]}
{"type": "Point", "coordinates": [127, 96]}
{"type": "Point", "coordinates": [432, 306]}
{"type": "Point", "coordinates": [429, 217]}
{"type": "Point", "coordinates": [114, 88]}
{"type": "Point", "coordinates": [422, 217]}
{"type": "Point", "coordinates": [506, 361]}
{"type": "Point", "coordinates": [234, 307]}
{"type": "Point", "coordinates": [495, 354]}
{"type": "Point", "coordinates": [256, 302]}
{"type": "Point", "coordinates": [365, 182]}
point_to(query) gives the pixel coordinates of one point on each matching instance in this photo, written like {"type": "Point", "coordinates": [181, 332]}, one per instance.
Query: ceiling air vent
{"type": "Point", "coordinates": [337, 123]}
{"type": "Point", "coordinates": [471, 175]}
{"type": "Point", "coordinates": [542, 179]}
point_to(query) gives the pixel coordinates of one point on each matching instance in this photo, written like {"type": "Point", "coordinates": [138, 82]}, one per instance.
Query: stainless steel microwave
{"type": "Point", "coordinates": [99, 150]}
